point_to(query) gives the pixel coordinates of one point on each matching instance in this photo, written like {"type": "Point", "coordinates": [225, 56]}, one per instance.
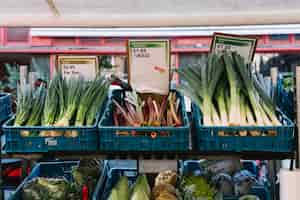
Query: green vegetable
{"type": "Point", "coordinates": [72, 89]}
{"type": "Point", "coordinates": [197, 187]}
{"type": "Point", "coordinates": [121, 190]}
{"type": "Point", "coordinates": [87, 99]}
{"type": "Point", "coordinates": [65, 103]}
{"type": "Point", "coordinates": [46, 188]}
{"type": "Point", "coordinates": [51, 103]}
{"type": "Point", "coordinates": [98, 102]}
{"type": "Point", "coordinates": [141, 189]}
{"type": "Point", "coordinates": [37, 106]}
{"type": "Point", "coordinates": [24, 105]}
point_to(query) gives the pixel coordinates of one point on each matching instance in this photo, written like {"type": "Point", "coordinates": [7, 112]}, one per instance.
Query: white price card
{"type": "Point", "coordinates": [51, 141]}
{"type": "Point", "coordinates": [156, 166]}
{"type": "Point", "coordinates": [149, 66]}
{"type": "Point", "coordinates": [245, 46]}
{"type": "Point", "coordinates": [84, 66]}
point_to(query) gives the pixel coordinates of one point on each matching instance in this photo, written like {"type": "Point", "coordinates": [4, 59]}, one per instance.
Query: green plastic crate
{"type": "Point", "coordinates": [177, 140]}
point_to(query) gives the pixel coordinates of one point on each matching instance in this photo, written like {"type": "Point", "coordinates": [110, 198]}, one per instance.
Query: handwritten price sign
{"type": "Point", "coordinates": [149, 65]}
{"type": "Point", "coordinates": [74, 66]}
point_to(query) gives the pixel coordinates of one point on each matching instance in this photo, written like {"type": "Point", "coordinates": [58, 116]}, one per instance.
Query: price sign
{"type": "Point", "coordinates": [156, 166]}
{"type": "Point", "coordinates": [149, 66]}
{"type": "Point", "coordinates": [244, 46]}
{"type": "Point", "coordinates": [84, 66]}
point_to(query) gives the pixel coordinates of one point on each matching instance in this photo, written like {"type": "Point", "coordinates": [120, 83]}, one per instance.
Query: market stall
{"type": "Point", "coordinates": [188, 101]}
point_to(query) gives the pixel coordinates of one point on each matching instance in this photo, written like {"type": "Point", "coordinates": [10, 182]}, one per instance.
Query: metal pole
{"type": "Point", "coordinates": [298, 112]}
{"type": "Point", "coordinates": [273, 164]}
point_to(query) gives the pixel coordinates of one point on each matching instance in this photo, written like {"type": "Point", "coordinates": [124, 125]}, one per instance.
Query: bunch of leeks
{"type": "Point", "coordinates": [66, 102]}
{"type": "Point", "coordinates": [228, 95]}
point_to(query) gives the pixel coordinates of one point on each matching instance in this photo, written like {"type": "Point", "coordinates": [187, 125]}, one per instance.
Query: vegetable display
{"type": "Point", "coordinates": [64, 103]}
{"type": "Point", "coordinates": [227, 93]}
{"type": "Point", "coordinates": [147, 110]}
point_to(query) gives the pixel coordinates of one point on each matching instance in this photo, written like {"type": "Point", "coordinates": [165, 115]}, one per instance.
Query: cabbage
{"type": "Point", "coordinates": [197, 188]}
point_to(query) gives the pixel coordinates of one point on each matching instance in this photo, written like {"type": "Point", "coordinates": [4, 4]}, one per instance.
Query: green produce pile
{"type": "Point", "coordinates": [87, 173]}
{"type": "Point", "coordinates": [71, 102]}
{"type": "Point", "coordinates": [197, 188]}
{"type": "Point", "coordinates": [227, 94]}
{"type": "Point", "coordinates": [47, 188]}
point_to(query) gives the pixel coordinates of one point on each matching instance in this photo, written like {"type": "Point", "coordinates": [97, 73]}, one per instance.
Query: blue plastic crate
{"type": "Point", "coordinates": [209, 140]}
{"type": "Point", "coordinates": [5, 107]}
{"type": "Point", "coordinates": [177, 139]}
{"type": "Point", "coordinates": [49, 170]}
{"type": "Point", "coordinates": [104, 188]}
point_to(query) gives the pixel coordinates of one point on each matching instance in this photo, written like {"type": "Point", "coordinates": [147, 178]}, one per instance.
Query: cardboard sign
{"type": "Point", "coordinates": [244, 46]}
{"type": "Point", "coordinates": [156, 166]}
{"type": "Point", "coordinates": [149, 66]}
{"type": "Point", "coordinates": [84, 66]}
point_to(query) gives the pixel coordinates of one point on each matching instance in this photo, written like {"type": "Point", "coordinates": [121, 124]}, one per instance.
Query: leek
{"type": "Point", "coordinates": [51, 103]}
{"type": "Point", "coordinates": [96, 105]}
{"type": "Point", "coordinates": [37, 107]}
{"type": "Point", "coordinates": [72, 98]}
{"type": "Point", "coordinates": [87, 100]}
{"type": "Point", "coordinates": [234, 112]}
{"type": "Point", "coordinates": [24, 105]}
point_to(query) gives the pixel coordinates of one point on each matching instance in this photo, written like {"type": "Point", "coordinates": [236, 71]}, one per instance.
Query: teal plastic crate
{"type": "Point", "coordinates": [5, 107]}
{"type": "Point", "coordinates": [15, 143]}
{"type": "Point", "coordinates": [208, 139]}
{"type": "Point", "coordinates": [87, 139]}
{"type": "Point", "coordinates": [109, 140]}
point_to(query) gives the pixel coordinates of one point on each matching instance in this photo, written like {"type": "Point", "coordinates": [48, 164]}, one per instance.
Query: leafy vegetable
{"type": "Point", "coordinates": [197, 188]}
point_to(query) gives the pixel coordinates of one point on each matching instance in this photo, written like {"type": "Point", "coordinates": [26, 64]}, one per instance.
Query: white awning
{"type": "Point", "coordinates": [147, 13]}
{"type": "Point", "coordinates": [166, 31]}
